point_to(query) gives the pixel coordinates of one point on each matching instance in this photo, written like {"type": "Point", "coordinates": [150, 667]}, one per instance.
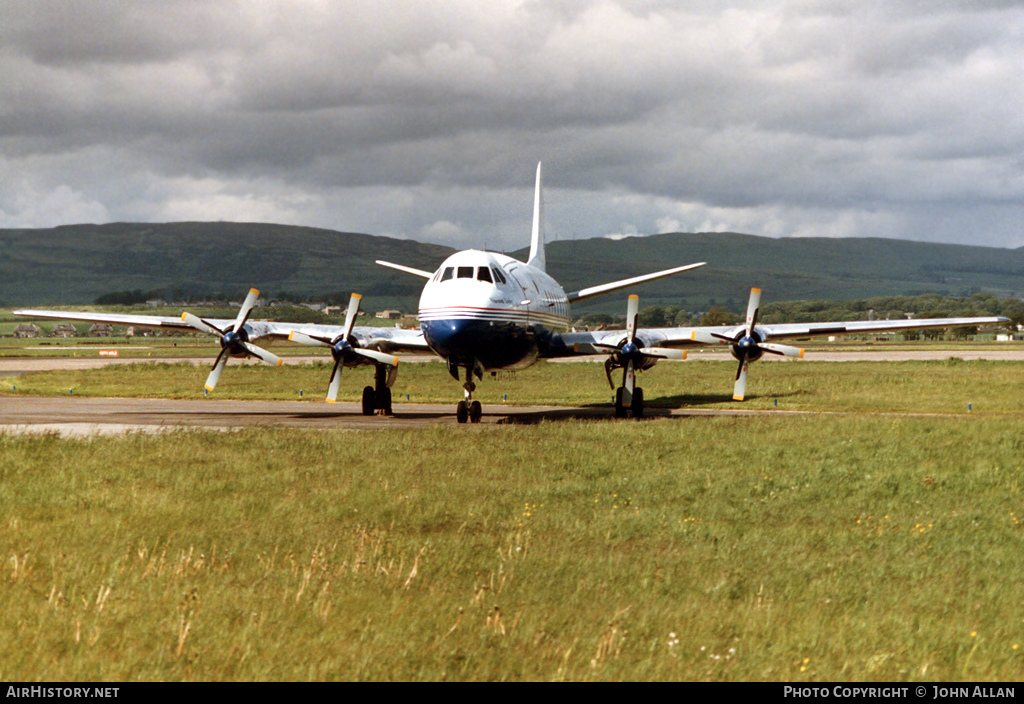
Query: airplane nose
{"type": "Point", "coordinates": [452, 337]}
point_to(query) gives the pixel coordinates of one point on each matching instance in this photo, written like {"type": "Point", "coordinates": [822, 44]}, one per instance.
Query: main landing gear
{"type": "Point", "coordinates": [377, 398]}
{"type": "Point", "coordinates": [468, 409]}
{"type": "Point", "coordinates": [629, 398]}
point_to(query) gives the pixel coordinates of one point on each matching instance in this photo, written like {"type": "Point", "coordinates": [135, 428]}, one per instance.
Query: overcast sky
{"type": "Point", "coordinates": [426, 120]}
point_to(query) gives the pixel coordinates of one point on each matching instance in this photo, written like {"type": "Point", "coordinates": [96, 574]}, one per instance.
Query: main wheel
{"type": "Point", "coordinates": [462, 412]}
{"type": "Point", "coordinates": [638, 403]}
{"type": "Point", "coordinates": [368, 401]}
{"type": "Point", "coordinates": [620, 410]}
{"type": "Point", "coordinates": [475, 411]}
{"type": "Point", "coordinates": [384, 401]}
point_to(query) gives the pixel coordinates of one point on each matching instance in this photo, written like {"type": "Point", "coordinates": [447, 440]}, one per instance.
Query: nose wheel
{"type": "Point", "coordinates": [468, 409]}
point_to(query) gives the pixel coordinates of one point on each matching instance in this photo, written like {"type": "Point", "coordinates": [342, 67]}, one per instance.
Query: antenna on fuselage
{"type": "Point", "coordinates": [537, 238]}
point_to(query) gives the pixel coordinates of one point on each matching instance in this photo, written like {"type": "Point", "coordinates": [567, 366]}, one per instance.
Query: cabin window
{"type": "Point", "coordinates": [448, 272]}
{"type": "Point", "coordinates": [484, 274]}
{"type": "Point", "coordinates": [465, 272]}
{"type": "Point", "coordinates": [498, 276]}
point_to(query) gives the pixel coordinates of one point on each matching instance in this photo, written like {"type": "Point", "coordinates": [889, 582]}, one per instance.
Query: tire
{"type": "Point", "coordinates": [638, 403]}
{"type": "Point", "coordinates": [384, 401]}
{"type": "Point", "coordinates": [620, 410]}
{"type": "Point", "coordinates": [461, 412]}
{"type": "Point", "coordinates": [475, 412]}
{"type": "Point", "coordinates": [368, 401]}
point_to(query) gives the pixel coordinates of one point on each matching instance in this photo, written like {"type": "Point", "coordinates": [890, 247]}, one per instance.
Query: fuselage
{"type": "Point", "coordinates": [490, 310]}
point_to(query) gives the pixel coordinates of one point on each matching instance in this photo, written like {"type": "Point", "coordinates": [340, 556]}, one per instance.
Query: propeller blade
{"type": "Point", "coordinates": [304, 339]}
{"type": "Point", "coordinates": [379, 357]}
{"type": "Point", "coordinates": [350, 316]}
{"type": "Point", "coordinates": [608, 366]}
{"type": "Point", "coordinates": [740, 389]}
{"type": "Point", "coordinates": [662, 353]}
{"type": "Point", "coordinates": [247, 306]}
{"type": "Point", "coordinates": [332, 388]}
{"type": "Point", "coordinates": [786, 350]}
{"type": "Point", "coordinates": [268, 357]}
{"type": "Point", "coordinates": [218, 367]}
{"type": "Point", "coordinates": [629, 378]}
{"type": "Point", "coordinates": [200, 324]}
{"type": "Point", "coordinates": [632, 313]}
{"type": "Point", "coordinates": [588, 348]}
{"type": "Point", "coordinates": [752, 307]}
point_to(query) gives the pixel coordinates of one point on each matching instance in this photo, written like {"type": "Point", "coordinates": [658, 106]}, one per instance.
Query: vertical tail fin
{"type": "Point", "coordinates": [537, 239]}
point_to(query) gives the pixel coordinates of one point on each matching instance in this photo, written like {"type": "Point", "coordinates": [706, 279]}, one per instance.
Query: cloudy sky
{"type": "Point", "coordinates": [426, 120]}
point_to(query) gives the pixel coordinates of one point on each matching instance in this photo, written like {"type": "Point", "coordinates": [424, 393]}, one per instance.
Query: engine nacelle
{"type": "Point", "coordinates": [746, 347]}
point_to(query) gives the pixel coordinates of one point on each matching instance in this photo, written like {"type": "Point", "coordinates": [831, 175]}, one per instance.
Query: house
{"type": "Point", "coordinates": [64, 330]}
{"type": "Point", "coordinates": [27, 330]}
{"type": "Point", "coordinates": [101, 330]}
{"type": "Point", "coordinates": [389, 314]}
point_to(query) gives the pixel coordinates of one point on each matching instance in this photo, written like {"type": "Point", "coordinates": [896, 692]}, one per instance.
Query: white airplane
{"type": "Point", "coordinates": [484, 312]}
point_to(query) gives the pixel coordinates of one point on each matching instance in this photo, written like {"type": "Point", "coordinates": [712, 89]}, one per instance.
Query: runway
{"type": "Point", "coordinates": [88, 416]}
{"type": "Point", "coordinates": [84, 416]}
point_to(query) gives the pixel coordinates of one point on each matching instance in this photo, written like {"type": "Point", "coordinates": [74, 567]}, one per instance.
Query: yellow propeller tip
{"type": "Point", "coordinates": [737, 398]}
{"type": "Point", "coordinates": [279, 362]}
{"type": "Point", "coordinates": [330, 400]}
{"type": "Point", "coordinates": [183, 316]}
{"type": "Point", "coordinates": [801, 353]}
{"type": "Point", "coordinates": [254, 291]}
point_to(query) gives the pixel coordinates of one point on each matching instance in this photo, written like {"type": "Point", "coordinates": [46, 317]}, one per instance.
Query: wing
{"type": "Point", "coordinates": [594, 342]}
{"type": "Point", "coordinates": [383, 339]}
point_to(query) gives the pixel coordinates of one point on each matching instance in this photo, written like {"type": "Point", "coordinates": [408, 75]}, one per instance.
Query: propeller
{"type": "Point", "coordinates": [748, 344]}
{"type": "Point", "coordinates": [628, 355]}
{"type": "Point", "coordinates": [342, 349]}
{"type": "Point", "coordinates": [233, 339]}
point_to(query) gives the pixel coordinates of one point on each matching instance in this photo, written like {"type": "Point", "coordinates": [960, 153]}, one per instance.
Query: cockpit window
{"type": "Point", "coordinates": [484, 274]}
{"type": "Point", "coordinates": [465, 272]}
{"type": "Point", "coordinates": [497, 275]}
{"type": "Point", "coordinates": [448, 271]}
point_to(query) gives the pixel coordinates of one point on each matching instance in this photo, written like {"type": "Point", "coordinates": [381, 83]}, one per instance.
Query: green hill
{"type": "Point", "coordinates": [77, 264]}
{"type": "Point", "coordinates": [786, 269]}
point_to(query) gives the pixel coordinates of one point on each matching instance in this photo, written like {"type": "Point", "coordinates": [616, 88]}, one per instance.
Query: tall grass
{"type": "Point", "coordinates": [781, 547]}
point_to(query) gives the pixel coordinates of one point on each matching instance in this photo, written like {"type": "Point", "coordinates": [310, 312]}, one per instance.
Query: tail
{"type": "Point", "coordinates": [537, 240]}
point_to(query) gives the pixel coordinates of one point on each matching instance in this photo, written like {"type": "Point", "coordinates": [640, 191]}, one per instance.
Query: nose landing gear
{"type": "Point", "coordinates": [468, 409]}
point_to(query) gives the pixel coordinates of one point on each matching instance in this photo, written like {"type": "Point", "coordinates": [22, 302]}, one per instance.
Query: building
{"type": "Point", "coordinates": [64, 330]}
{"type": "Point", "coordinates": [27, 330]}
{"type": "Point", "coordinates": [101, 330]}
{"type": "Point", "coordinates": [389, 314]}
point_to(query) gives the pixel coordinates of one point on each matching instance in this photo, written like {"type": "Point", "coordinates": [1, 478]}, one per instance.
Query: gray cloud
{"type": "Point", "coordinates": [426, 120]}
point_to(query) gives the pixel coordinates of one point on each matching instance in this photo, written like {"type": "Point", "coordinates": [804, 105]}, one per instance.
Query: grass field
{"type": "Point", "coordinates": [865, 545]}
